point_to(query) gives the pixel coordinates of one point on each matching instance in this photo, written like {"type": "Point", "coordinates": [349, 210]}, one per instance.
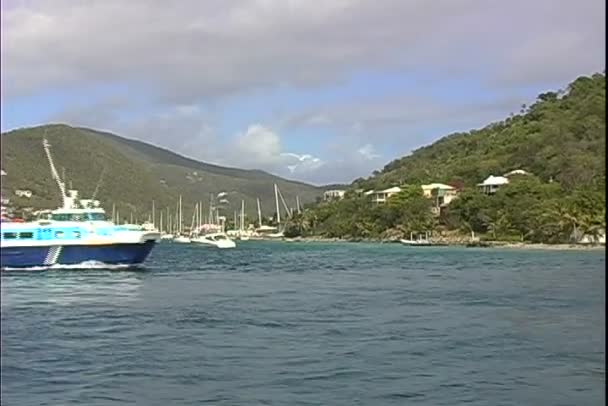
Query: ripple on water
{"type": "Point", "coordinates": [310, 324]}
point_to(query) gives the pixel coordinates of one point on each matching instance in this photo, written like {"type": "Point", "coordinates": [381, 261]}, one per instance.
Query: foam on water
{"type": "Point", "coordinates": [80, 266]}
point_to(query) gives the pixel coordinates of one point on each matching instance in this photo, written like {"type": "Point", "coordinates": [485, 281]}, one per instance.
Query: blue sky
{"type": "Point", "coordinates": [320, 92]}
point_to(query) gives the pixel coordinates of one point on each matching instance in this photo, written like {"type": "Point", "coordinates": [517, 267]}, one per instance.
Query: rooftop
{"type": "Point", "coordinates": [494, 181]}
{"type": "Point", "coordinates": [438, 186]}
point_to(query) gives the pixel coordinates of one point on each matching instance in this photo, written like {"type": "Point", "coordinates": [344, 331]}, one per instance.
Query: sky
{"type": "Point", "coordinates": [318, 91]}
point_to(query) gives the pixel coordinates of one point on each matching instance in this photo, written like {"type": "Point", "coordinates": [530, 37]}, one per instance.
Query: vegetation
{"type": "Point", "coordinates": [130, 174]}
{"type": "Point", "coordinates": [560, 140]}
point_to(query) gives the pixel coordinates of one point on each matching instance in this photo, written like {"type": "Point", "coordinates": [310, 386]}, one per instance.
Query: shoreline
{"type": "Point", "coordinates": [490, 244]}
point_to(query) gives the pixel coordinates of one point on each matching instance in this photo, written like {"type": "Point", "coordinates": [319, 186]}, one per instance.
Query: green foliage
{"type": "Point", "coordinates": [134, 174]}
{"type": "Point", "coordinates": [560, 139]}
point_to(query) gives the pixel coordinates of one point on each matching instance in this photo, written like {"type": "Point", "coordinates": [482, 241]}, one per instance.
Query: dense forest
{"type": "Point", "coordinates": [560, 140]}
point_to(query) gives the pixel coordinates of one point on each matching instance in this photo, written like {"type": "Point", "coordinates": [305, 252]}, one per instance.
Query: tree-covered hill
{"type": "Point", "coordinates": [562, 136]}
{"type": "Point", "coordinates": [131, 174]}
{"type": "Point", "coordinates": [560, 141]}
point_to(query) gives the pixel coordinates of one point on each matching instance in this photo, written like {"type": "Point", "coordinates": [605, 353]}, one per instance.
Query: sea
{"type": "Point", "coordinates": [297, 323]}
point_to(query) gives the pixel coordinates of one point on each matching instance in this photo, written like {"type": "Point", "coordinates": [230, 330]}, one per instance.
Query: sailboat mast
{"type": "Point", "coordinates": [160, 227]}
{"type": "Point", "coordinates": [242, 215]}
{"type": "Point", "coordinates": [289, 212]}
{"type": "Point", "coordinates": [276, 200]}
{"type": "Point", "coordinates": [180, 215]}
{"type": "Point", "coordinates": [259, 213]}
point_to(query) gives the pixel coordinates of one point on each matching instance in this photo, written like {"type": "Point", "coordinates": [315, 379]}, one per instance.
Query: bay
{"type": "Point", "coordinates": [276, 323]}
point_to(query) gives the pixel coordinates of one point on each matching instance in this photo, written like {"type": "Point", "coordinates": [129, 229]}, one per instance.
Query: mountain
{"type": "Point", "coordinates": [560, 141]}
{"type": "Point", "coordinates": [130, 174]}
{"type": "Point", "coordinates": [561, 137]}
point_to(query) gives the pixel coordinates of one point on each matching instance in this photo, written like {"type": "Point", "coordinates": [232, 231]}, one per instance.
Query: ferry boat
{"type": "Point", "coordinates": [74, 235]}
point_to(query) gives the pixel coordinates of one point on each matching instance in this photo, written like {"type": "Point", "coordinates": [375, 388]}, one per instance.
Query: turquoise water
{"type": "Point", "coordinates": [310, 324]}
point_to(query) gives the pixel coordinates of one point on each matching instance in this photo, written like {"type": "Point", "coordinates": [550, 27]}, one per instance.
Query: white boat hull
{"type": "Point", "coordinates": [210, 241]}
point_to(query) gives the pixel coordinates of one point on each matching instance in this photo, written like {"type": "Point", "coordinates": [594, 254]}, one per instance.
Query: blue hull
{"type": "Point", "coordinates": [114, 254]}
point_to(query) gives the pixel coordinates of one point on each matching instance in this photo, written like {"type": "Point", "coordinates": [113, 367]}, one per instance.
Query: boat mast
{"type": "Point", "coordinates": [242, 215]}
{"type": "Point", "coordinates": [276, 199]}
{"type": "Point", "coordinates": [289, 212]}
{"type": "Point", "coordinates": [193, 219]}
{"type": "Point", "coordinates": [259, 213]}
{"type": "Point", "coordinates": [180, 215]}
{"type": "Point", "coordinates": [153, 215]}
{"type": "Point", "coordinates": [60, 184]}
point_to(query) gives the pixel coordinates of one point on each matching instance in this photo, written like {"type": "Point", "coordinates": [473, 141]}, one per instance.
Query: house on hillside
{"type": "Point", "coordinates": [443, 194]}
{"type": "Point", "coordinates": [334, 194]}
{"type": "Point", "coordinates": [515, 172]}
{"type": "Point", "coordinates": [492, 184]}
{"type": "Point", "coordinates": [23, 193]}
{"type": "Point", "coordinates": [380, 196]}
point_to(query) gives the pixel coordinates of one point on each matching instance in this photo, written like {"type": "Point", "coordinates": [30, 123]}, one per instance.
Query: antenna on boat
{"type": "Point", "coordinates": [103, 171]}
{"type": "Point", "coordinates": [60, 184]}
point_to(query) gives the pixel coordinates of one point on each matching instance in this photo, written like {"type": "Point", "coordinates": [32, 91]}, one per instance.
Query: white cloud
{"type": "Point", "coordinates": [193, 55]}
{"type": "Point", "coordinates": [260, 147]}
{"type": "Point", "coordinates": [199, 50]}
{"type": "Point", "coordinates": [368, 152]}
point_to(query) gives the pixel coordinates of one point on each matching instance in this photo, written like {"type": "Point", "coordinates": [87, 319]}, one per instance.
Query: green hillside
{"type": "Point", "coordinates": [562, 136]}
{"type": "Point", "coordinates": [131, 174]}
{"type": "Point", "coordinates": [560, 140]}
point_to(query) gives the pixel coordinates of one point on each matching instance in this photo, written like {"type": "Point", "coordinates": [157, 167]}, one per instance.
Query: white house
{"type": "Point", "coordinates": [515, 172]}
{"type": "Point", "coordinates": [445, 193]}
{"type": "Point", "coordinates": [23, 193]}
{"type": "Point", "coordinates": [2, 173]}
{"type": "Point", "coordinates": [333, 194]}
{"type": "Point", "coordinates": [380, 196]}
{"type": "Point", "coordinates": [492, 184]}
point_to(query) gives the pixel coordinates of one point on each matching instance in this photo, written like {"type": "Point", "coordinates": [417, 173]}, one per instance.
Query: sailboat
{"type": "Point", "coordinates": [243, 236]}
{"type": "Point", "coordinates": [180, 237]}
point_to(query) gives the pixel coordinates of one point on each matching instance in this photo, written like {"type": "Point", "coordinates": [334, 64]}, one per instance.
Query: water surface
{"type": "Point", "coordinates": [310, 324]}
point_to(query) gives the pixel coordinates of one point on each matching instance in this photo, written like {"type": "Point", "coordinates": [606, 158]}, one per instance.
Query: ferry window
{"type": "Point", "coordinates": [26, 235]}
{"type": "Point", "coordinates": [9, 236]}
{"type": "Point", "coordinates": [58, 234]}
{"type": "Point", "coordinates": [61, 217]}
{"type": "Point", "coordinates": [76, 234]}
{"type": "Point", "coordinates": [76, 217]}
{"type": "Point", "coordinates": [97, 216]}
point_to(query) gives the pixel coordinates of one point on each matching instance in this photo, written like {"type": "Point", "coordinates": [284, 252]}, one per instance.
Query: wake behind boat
{"type": "Point", "coordinates": [77, 233]}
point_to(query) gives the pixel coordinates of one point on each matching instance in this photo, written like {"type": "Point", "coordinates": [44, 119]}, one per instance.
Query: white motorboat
{"type": "Point", "coordinates": [219, 240]}
{"type": "Point", "coordinates": [182, 239]}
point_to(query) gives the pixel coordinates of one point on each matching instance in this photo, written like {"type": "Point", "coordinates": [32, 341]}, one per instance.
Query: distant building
{"type": "Point", "coordinates": [333, 194]}
{"type": "Point", "coordinates": [23, 193]}
{"type": "Point", "coordinates": [380, 196]}
{"type": "Point", "coordinates": [515, 172]}
{"type": "Point", "coordinates": [2, 173]}
{"type": "Point", "coordinates": [444, 193]}
{"type": "Point", "coordinates": [492, 184]}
